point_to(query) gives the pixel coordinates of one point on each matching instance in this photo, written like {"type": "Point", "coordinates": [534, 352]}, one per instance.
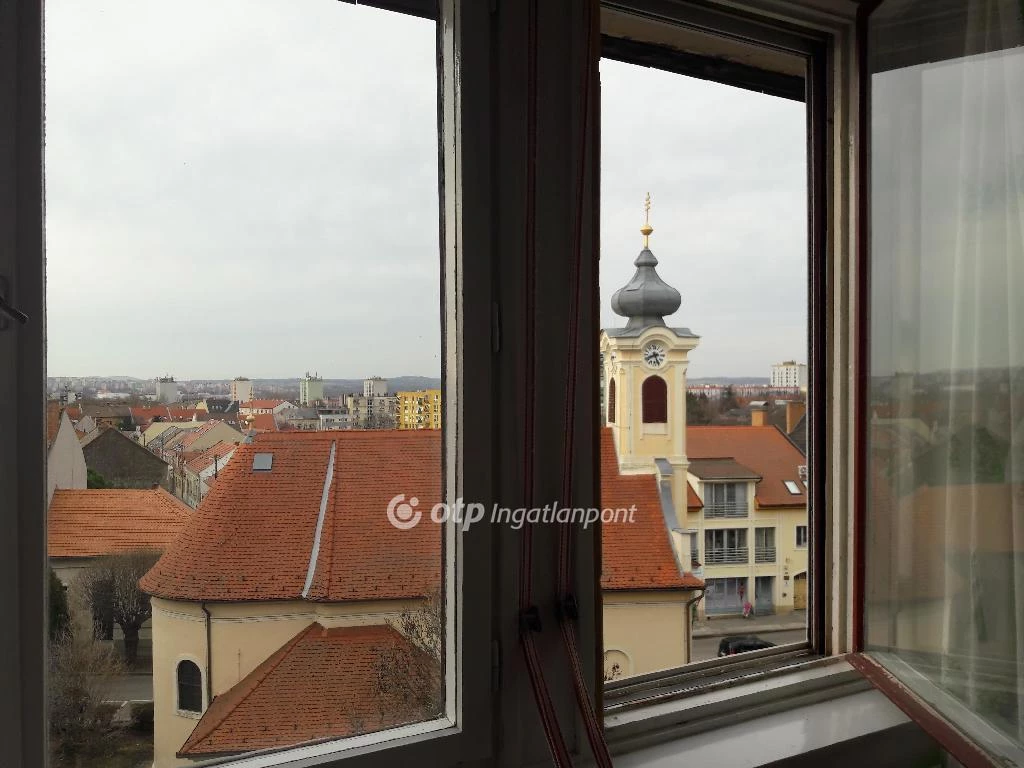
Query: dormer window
{"type": "Point", "coordinates": [725, 500]}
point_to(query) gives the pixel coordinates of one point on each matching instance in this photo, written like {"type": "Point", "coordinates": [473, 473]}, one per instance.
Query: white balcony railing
{"type": "Point", "coordinates": [727, 556]}
{"type": "Point", "coordinates": [764, 554]}
{"type": "Point", "coordinates": [726, 509]}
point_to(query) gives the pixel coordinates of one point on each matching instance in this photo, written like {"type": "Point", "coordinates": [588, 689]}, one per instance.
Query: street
{"type": "Point", "coordinates": [131, 688]}
{"type": "Point", "coordinates": [707, 647]}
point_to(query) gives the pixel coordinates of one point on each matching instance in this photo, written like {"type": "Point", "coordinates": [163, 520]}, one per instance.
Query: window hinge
{"type": "Point", "coordinates": [495, 327]}
{"type": "Point", "coordinates": [9, 312]}
{"type": "Point", "coordinates": [495, 666]}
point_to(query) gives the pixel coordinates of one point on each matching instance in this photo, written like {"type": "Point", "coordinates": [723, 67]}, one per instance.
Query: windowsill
{"type": "Point", "coordinates": [753, 723]}
{"type": "Point", "coordinates": [188, 714]}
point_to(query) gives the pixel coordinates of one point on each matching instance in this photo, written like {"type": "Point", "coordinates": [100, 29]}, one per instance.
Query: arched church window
{"type": "Point", "coordinates": [190, 687]}
{"type": "Point", "coordinates": [654, 400]}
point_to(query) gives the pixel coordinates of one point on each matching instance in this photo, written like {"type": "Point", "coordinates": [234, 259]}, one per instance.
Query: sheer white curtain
{"type": "Point", "coordinates": [984, 506]}
{"type": "Point", "coordinates": [945, 564]}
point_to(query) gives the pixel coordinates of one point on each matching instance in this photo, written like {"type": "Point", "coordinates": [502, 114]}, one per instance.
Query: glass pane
{"type": "Point", "coordinates": [242, 197]}
{"type": "Point", "coordinates": [945, 516]}
{"type": "Point", "coordinates": [703, 285]}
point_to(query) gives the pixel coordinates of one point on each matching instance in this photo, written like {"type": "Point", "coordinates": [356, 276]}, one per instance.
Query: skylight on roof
{"type": "Point", "coordinates": [792, 487]}
{"type": "Point", "coordinates": [262, 462]}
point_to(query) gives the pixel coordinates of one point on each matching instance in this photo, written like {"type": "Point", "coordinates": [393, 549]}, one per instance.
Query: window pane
{"type": "Point", "coordinates": [704, 311]}
{"type": "Point", "coordinates": [242, 197]}
{"type": "Point", "coordinates": [945, 516]}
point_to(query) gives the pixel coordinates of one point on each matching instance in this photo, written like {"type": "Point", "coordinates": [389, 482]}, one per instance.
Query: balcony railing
{"type": "Point", "coordinates": [764, 554]}
{"type": "Point", "coordinates": [725, 509]}
{"type": "Point", "coordinates": [727, 556]}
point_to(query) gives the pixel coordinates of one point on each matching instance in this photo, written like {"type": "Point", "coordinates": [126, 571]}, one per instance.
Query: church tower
{"type": "Point", "coordinates": [645, 375]}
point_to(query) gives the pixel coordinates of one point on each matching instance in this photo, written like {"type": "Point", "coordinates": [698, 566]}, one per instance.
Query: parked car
{"type": "Point", "coordinates": [742, 644]}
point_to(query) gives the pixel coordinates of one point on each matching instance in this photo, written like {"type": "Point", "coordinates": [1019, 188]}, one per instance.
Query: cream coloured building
{"type": "Point", "coordinates": [751, 520]}
{"type": "Point", "coordinates": [289, 564]}
{"type": "Point", "coordinates": [648, 581]}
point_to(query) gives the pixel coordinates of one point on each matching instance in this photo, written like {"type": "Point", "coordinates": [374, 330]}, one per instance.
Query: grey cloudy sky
{"type": "Point", "coordinates": [256, 194]}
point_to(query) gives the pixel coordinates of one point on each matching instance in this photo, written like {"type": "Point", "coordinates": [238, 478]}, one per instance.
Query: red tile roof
{"type": "Point", "coordinates": [253, 536]}
{"type": "Point", "coordinates": [638, 554]}
{"type": "Point", "coordinates": [261, 404]}
{"type": "Point", "coordinates": [90, 523]}
{"type": "Point", "coordinates": [765, 450]}
{"type": "Point", "coordinates": [261, 422]}
{"type": "Point", "coordinates": [53, 417]}
{"type": "Point", "coordinates": [186, 414]}
{"type": "Point", "coordinates": [144, 415]}
{"type": "Point", "coordinates": [692, 499]}
{"type": "Point", "coordinates": [205, 458]}
{"type": "Point", "coordinates": [321, 683]}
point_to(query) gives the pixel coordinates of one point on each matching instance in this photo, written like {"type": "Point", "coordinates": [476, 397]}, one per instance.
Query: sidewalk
{"type": "Point", "coordinates": [755, 625]}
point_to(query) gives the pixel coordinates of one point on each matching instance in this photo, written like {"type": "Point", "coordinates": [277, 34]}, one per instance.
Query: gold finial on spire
{"type": "Point", "coordinates": [647, 229]}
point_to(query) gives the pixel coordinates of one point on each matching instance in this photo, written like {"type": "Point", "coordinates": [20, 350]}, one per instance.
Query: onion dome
{"type": "Point", "coordinates": [646, 299]}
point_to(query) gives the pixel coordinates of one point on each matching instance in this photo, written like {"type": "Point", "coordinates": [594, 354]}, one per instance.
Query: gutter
{"type": "Point", "coordinates": [209, 655]}
{"type": "Point", "coordinates": [689, 623]}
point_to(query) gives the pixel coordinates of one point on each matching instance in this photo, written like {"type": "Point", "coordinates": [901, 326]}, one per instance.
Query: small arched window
{"type": "Point", "coordinates": [611, 401]}
{"type": "Point", "coordinates": [190, 687]}
{"type": "Point", "coordinates": [654, 400]}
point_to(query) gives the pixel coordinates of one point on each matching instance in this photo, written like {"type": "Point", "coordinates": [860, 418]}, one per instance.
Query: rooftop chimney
{"type": "Point", "coordinates": [759, 416]}
{"type": "Point", "coordinates": [794, 411]}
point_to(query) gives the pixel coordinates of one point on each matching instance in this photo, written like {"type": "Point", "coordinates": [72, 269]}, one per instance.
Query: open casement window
{"type": "Point", "coordinates": [733, 518]}
{"type": "Point", "coordinates": [942, 487]}
{"type": "Point", "coordinates": [316, 668]}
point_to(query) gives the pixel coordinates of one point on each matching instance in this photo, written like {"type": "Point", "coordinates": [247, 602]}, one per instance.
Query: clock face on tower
{"type": "Point", "coordinates": [654, 354]}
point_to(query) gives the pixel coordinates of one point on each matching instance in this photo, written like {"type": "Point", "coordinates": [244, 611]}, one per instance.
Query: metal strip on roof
{"type": "Point", "coordinates": [315, 553]}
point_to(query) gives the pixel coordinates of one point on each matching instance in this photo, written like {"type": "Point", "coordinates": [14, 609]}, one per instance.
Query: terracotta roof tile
{"type": "Point", "coordinates": [692, 499]}
{"type": "Point", "coordinates": [320, 684]}
{"type": "Point", "coordinates": [206, 458]}
{"type": "Point", "coordinates": [91, 523]}
{"type": "Point", "coordinates": [253, 535]}
{"type": "Point", "coordinates": [53, 415]}
{"type": "Point", "coordinates": [765, 450]}
{"type": "Point", "coordinates": [636, 555]}
{"type": "Point", "coordinates": [144, 415]}
{"type": "Point", "coordinates": [262, 422]}
{"type": "Point", "coordinates": [186, 414]}
{"type": "Point", "coordinates": [262, 404]}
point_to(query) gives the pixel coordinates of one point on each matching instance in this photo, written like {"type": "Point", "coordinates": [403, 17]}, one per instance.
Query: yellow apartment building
{"type": "Point", "coordinates": [419, 410]}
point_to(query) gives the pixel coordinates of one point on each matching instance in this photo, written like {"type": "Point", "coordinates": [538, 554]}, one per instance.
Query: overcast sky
{"type": "Point", "coordinates": [256, 194]}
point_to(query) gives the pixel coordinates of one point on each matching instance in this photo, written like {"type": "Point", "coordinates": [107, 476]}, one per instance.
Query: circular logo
{"type": "Point", "coordinates": [404, 515]}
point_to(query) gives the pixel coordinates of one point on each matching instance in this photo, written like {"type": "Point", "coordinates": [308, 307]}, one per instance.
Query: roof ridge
{"type": "Point", "coordinates": [271, 663]}
{"type": "Point", "coordinates": [314, 554]}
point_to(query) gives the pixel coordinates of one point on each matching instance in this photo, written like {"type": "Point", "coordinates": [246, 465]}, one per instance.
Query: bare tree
{"type": "Point", "coordinates": [409, 680]}
{"type": "Point", "coordinates": [111, 590]}
{"type": "Point", "coordinates": [81, 675]}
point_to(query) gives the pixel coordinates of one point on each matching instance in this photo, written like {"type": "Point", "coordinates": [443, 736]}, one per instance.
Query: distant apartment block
{"type": "Point", "coordinates": [375, 386]}
{"type": "Point", "coordinates": [789, 374]}
{"type": "Point", "coordinates": [419, 410]}
{"type": "Point", "coordinates": [166, 389]}
{"type": "Point", "coordinates": [241, 389]}
{"type": "Point", "coordinates": [311, 389]}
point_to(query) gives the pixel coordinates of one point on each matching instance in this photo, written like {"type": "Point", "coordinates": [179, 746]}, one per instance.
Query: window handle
{"type": "Point", "coordinates": [8, 309]}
